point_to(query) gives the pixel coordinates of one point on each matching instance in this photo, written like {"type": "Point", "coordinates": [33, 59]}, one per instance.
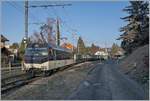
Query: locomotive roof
{"type": "Point", "coordinates": [33, 45]}
{"type": "Point", "coordinates": [61, 49]}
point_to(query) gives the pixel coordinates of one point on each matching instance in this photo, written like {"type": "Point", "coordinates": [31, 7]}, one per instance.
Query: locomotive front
{"type": "Point", "coordinates": [36, 57]}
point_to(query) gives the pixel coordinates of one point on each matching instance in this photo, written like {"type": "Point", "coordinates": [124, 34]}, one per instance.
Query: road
{"type": "Point", "coordinates": [90, 81]}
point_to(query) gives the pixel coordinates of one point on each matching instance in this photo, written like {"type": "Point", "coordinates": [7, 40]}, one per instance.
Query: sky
{"type": "Point", "coordinates": [96, 22]}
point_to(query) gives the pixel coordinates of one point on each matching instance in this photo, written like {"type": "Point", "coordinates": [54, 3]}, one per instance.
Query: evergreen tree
{"type": "Point", "coordinates": [94, 49]}
{"type": "Point", "coordinates": [14, 46]}
{"type": "Point", "coordinates": [114, 49]}
{"type": "Point", "coordinates": [21, 50]}
{"type": "Point", "coordinates": [88, 50]}
{"type": "Point", "coordinates": [136, 32]}
{"type": "Point", "coordinates": [81, 46]}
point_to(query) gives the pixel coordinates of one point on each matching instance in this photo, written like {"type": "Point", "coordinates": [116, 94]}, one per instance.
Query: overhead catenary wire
{"type": "Point", "coordinates": [55, 13]}
{"type": "Point", "coordinates": [49, 5]}
{"type": "Point", "coordinates": [68, 15]}
{"type": "Point", "coordinates": [14, 6]}
{"type": "Point", "coordinates": [69, 29]}
{"type": "Point", "coordinates": [31, 15]}
{"type": "Point", "coordinates": [18, 8]}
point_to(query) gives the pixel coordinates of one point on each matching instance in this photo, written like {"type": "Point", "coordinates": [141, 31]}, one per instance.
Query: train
{"type": "Point", "coordinates": [46, 58]}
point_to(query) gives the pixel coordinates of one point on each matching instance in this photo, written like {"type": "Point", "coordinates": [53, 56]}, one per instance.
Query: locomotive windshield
{"type": "Point", "coordinates": [36, 51]}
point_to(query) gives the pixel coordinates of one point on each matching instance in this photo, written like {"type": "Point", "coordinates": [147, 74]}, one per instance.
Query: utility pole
{"type": "Point", "coordinates": [106, 47]}
{"type": "Point", "coordinates": [57, 33]}
{"type": "Point", "coordinates": [74, 37]}
{"type": "Point", "coordinates": [26, 19]}
{"type": "Point", "coordinates": [25, 39]}
{"type": "Point", "coordinates": [57, 25]}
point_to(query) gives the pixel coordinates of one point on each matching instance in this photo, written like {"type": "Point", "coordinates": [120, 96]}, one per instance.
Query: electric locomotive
{"type": "Point", "coordinates": [45, 58]}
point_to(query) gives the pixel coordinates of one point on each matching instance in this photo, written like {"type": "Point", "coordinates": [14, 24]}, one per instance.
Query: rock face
{"type": "Point", "coordinates": [136, 65]}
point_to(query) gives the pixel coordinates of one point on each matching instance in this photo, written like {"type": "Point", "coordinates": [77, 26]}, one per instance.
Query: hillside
{"type": "Point", "coordinates": [136, 66]}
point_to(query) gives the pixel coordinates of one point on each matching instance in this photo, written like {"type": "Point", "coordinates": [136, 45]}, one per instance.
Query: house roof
{"type": "Point", "coordinates": [3, 39]}
{"type": "Point", "coordinates": [67, 45]}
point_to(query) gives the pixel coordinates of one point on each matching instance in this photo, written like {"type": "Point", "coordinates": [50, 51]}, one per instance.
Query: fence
{"type": "Point", "coordinates": [11, 70]}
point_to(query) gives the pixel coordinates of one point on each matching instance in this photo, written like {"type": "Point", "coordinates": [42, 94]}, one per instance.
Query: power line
{"type": "Point", "coordinates": [54, 12]}
{"type": "Point", "coordinates": [65, 24]}
{"type": "Point", "coordinates": [14, 6]}
{"type": "Point", "coordinates": [50, 5]}
{"type": "Point", "coordinates": [69, 29]}
{"type": "Point", "coordinates": [62, 22]}
{"type": "Point", "coordinates": [66, 14]}
{"type": "Point", "coordinates": [46, 6]}
{"type": "Point", "coordinates": [17, 7]}
{"type": "Point", "coordinates": [36, 23]}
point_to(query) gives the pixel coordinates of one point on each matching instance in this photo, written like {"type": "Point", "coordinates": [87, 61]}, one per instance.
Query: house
{"type": "Point", "coordinates": [67, 46]}
{"type": "Point", "coordinates": [4, 52]}
{"type": "Point", "coordinates": [3, 41]}
{"type": "Point", "coordinates": [119, 54]}
{"type": "Point", "coordinates": [14, 54]}
{"type": "Point", "coordinates": [102, 53]}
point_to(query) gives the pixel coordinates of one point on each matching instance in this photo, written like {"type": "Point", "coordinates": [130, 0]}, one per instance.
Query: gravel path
{"type": "Point", "coordinates": [55, 87]}
{"type": "Point", "coordinates": [107, 83]}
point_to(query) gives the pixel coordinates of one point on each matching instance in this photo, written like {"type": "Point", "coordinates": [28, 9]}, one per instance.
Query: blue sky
{"type": "Point", "coordinates": [96, 22]}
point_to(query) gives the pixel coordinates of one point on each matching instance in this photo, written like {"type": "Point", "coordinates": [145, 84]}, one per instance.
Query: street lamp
{"type": "Point", "coordinates": [25, 41]}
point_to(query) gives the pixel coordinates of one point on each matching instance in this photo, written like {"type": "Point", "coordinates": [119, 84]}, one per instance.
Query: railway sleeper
{"type": "Point", "coordinates": [34, 72]}
{"type": "Point", "coordinates": [47, 73]}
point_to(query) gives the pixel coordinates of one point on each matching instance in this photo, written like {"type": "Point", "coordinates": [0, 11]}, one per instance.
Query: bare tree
{"type": "Point", "coordinates": [48, 30]}
{"type": "Point", "coordinates": [36, 38]}
{"type": "Point", "coordinates": [46, 33]}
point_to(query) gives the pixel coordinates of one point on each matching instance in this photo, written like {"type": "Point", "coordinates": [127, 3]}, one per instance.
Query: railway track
{"type": "Point", "coordinates": [19, 80]}
{"type": "Point", "coordinates": [14, 81]}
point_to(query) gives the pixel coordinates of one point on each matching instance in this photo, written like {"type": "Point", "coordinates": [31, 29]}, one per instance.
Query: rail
{"type": "Point", "coordinates": [14, 81]}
